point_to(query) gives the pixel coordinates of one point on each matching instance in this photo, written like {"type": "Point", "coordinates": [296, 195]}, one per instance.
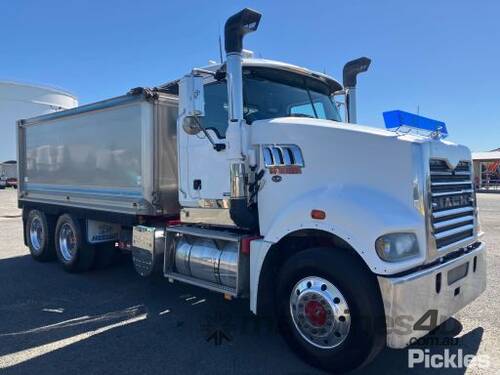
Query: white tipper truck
{"type": "Point", "coordinates": [243, 178]}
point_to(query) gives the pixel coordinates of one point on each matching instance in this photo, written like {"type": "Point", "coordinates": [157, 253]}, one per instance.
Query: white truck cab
{"type": "Point", "coordinates": [243, 178]}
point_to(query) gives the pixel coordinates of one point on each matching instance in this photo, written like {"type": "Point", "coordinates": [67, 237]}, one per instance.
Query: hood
{"type": "Point", "coordinates": [337, 153]}
{"type": "Point", "coordinates": [310, 123]}
{"type": "Point", "coordinates": [330, 124]}
{"type": "Point", "coordinates": [295, 130]}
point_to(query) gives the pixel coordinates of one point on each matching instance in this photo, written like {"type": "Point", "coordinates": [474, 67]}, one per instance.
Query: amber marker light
{"type": "Point", "coordinates": [318, 214]}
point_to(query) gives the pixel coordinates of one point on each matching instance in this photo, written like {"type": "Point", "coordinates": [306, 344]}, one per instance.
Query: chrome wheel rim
{"type": "Point", "coordinates": [67, 242]}
{"type": "Point", "coordinates": [36, 235]}
{"type": "Point", "coordinates": [320, 312]}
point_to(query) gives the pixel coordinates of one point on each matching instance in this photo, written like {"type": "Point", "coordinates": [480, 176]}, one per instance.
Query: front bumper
{"type": "Point", "coordinates": [413, 306]}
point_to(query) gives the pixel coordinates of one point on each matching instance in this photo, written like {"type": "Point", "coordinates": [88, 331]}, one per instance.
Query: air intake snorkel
{"type": "Point", "coordinates": [350, 74]}
{"type": "Point", "coordinates": [236, 27]}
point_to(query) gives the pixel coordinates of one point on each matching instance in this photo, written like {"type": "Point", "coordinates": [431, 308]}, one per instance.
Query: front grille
{"type": "Point", "coordinates": [452, 203]}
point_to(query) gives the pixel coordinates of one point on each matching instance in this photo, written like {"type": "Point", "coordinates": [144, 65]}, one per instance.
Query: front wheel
{"type": "Point", "coordinates": [329, 309]}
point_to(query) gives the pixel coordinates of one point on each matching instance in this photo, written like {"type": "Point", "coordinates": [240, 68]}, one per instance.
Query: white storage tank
{"type": "Point", "coordinates": [20, 100]}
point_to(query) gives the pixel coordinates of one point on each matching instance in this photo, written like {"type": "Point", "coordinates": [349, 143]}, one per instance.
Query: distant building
{"type": "Point", "coordinates": [19, 101]}
{"type": "Point", "coordinates": [487, 170]}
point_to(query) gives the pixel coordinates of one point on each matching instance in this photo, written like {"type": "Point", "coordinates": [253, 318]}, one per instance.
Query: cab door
{"type": "Point", "coordinates": [203, 171]}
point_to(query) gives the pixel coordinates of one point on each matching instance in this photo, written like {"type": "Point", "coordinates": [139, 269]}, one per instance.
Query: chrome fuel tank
{"type": "Point", "coordinates": [208, 259]}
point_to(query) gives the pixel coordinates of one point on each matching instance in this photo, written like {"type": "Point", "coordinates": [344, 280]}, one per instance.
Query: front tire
{"type": "Point", "coordinates": [329, 309]}
{"type": "Point", "coordinates": [73, 251]}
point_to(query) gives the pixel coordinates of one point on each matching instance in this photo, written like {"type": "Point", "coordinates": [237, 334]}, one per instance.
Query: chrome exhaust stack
{"type": "Point", "coordinates": [350, 73]}
{"type": "Point", "coordinates": [236, 27]}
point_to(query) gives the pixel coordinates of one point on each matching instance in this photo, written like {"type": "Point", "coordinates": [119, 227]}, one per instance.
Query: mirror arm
{"type": "Point", "coordinates": [217, 146]}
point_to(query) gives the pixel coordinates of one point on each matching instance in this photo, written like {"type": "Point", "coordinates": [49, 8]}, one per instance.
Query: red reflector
{"type": "Point", "coordinates": [174, 222]}
{"type": "Point", "coordinates": [318, 214]}
{"type": "Point", "coordinates": [245, 244]}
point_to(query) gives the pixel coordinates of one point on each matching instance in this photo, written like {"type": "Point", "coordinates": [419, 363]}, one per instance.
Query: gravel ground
{"type": "Point", "coordinates": [111, 321]}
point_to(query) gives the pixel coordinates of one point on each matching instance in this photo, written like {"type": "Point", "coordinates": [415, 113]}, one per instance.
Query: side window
{"type": "Point", "coordinates": [216, 108]}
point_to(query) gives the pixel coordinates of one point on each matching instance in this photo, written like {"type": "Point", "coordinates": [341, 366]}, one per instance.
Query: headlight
{"type": "Point", "coordinates": [396, 246]}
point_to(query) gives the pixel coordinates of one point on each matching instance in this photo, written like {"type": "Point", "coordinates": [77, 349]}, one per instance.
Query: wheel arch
{"type": "Point", "coordinates": [279, 252]}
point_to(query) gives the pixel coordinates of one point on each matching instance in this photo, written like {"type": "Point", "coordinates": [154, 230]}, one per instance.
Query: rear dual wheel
{"type": "Point", "coordinates": [65, 240]}
{"type": "Point", "coordinates": [73, 251]}
{"type": "Point", "coordinates": [39, 232]}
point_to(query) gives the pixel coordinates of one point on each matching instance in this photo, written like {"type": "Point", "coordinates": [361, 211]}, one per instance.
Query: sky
{"type": "Point", "coordinates": [438, 57]}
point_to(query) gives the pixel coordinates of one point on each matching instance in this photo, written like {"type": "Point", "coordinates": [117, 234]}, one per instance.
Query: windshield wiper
{"type": "Point", "coordinates": [310, 99]}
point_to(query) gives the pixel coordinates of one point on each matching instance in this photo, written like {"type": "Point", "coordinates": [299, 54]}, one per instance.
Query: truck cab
{"type": "Point", "coordinates": [271, 90]}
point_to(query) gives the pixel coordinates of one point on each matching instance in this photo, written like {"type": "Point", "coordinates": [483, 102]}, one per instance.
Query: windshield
{"type": "Point", "coordinates": [266, 99]}
{"type": "Point", "coordinates": [268, 94]}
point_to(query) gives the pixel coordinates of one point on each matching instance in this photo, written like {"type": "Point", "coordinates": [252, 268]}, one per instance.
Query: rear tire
{"type": "Point", "coordinates": [39, 232]}
{"type": "Point", "coordinates": [329, 309]}
{"type": "Point", "coordinates": [73, 251]}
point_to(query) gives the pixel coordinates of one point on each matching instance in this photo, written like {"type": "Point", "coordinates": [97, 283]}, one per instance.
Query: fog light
{"type": "Point", "coordinates": [394, 247]}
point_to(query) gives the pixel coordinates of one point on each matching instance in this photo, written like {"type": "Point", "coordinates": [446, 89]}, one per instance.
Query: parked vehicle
{"type": "Point", "coordinates": [243, 178]}
{"type": "Point", "coordinates": [12, 182]}
{"type": "Point", "coordinates": [8, 171]}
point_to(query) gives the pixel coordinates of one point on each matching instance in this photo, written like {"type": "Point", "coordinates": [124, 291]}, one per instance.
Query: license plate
{"type": "Point", "coordinates": [458, 273]}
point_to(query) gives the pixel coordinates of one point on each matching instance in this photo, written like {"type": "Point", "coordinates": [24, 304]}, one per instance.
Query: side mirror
{"type": "Point", "coordinates": [191, 125]}
{"type": "Point", "coordinates": [191, 102]}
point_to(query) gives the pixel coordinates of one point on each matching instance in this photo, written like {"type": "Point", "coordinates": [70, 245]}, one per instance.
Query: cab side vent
{"type": "Point", "coordinates": [282, 155]}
